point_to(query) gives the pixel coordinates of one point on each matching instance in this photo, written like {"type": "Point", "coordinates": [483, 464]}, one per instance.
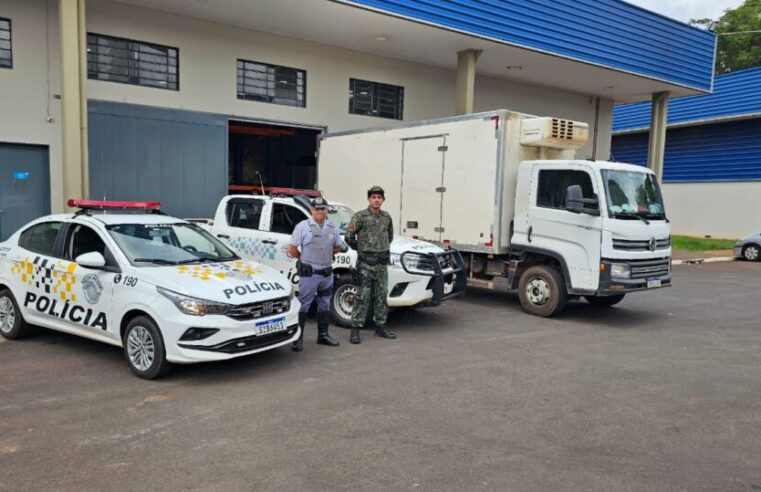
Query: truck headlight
{"type": "Point", "coordinates": [192, 305]}
{"type": "Point", "coordinates": [620, 270]}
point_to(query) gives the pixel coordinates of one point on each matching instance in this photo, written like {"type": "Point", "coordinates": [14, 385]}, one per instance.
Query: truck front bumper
{"type": "Point", "coordinates": [445, 273]}
{"type": "Point", "coordinates": [643, 275]}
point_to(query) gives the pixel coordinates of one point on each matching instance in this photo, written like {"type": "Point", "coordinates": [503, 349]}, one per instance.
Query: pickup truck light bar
{"type": "Point", "coordinates": [294, 192]}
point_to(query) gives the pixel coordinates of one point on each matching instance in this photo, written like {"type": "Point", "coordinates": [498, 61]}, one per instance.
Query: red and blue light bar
{"type": "Point", "coordinates": [294, 192]}
{"type": "Point", "coordinates": [112, 205]}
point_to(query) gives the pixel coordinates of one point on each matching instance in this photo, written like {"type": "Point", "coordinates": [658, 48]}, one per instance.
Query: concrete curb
{"type": "Point", "coordinates": [697, 261]}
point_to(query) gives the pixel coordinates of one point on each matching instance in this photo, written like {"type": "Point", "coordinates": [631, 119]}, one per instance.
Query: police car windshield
{"type": "Point", "coordinates": [340, 216]}
{"type": "Point", "coordinates": [168, 244]}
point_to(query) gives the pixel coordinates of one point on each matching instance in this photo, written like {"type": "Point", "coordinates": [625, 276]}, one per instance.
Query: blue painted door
{"type": "Point", "coordinates": [24, 186]}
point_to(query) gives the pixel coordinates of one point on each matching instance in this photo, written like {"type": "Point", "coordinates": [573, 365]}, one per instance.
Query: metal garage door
{"type": "Point", "coordinates": [145, 153]}
{"type": "Point", "coordinates": [24, 186]}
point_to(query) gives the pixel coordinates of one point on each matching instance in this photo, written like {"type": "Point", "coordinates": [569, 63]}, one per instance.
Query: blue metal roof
{"type": "Point", "coordinates": [609, 33]}
{"type": "Point", "coordinates": [728, 151]}
{"type": "Point", "coordinates": [736, 94]}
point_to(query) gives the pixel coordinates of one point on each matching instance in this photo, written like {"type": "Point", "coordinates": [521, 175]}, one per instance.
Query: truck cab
{"type": "Point", "coordinates": [602, 225]}
{"type": "Point", "coordinates": [260, 227]}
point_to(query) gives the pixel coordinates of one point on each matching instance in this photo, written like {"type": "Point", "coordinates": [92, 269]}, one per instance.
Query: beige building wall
{"type": "Point", "coordinates": [208, 52]}
{"type": "Point", "coordinates": [720, 210]}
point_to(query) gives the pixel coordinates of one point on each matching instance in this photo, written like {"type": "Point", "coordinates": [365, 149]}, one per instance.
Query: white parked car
{"type": "Point", "coordinates": [125, 274]}
{"type": "Point", "coordinates": [259, 227]}
{"type": "Point", "coordinates": [749, 248]}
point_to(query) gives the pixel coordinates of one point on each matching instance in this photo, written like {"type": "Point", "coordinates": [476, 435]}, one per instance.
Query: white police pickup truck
{"type": "Point", "coordinates": [125, 274]}
{"type": "Point", "coordinates": [259, 227]}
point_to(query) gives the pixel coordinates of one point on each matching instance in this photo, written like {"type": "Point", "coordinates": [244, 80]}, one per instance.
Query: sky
{"type": "Point", "coordinates": [684, 10]}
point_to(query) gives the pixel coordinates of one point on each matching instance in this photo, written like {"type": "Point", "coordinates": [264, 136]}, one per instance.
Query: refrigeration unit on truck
{"type": "Point", "coordinates": [504, 189]}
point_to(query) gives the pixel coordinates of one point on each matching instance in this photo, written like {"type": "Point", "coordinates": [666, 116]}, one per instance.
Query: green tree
{"type": "Point", "coordinates": [737, 51]}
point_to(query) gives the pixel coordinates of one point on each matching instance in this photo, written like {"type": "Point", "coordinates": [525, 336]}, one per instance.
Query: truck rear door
{"type": "Point", "coordinates": [423, 161]}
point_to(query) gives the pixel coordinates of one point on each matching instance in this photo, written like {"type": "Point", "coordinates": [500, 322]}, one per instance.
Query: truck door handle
{"type": "Point", "coordinates": [530, 230]}
{"type": "Point", "coordinates": [223, 236]}
{"type": "Point", "coordinates": [269, 241]}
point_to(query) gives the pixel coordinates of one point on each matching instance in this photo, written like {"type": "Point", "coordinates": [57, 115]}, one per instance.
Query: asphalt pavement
{"type": "Point", "coordinates": [662, 392]}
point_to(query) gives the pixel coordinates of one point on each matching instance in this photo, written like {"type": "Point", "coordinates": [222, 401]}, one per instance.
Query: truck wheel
{"type": "Point", "coordinates": [144, 349]}
{"type": "Point", "coordinates": [541, 291]}
{"type": "Point", "coordinates": [604, 301]}
{"type": "Point", "coordinates": [12, 324]}
{"type": "Point", "coordinates": [342, 303]}
{"type": "Point", "coordinates": [752, 252]}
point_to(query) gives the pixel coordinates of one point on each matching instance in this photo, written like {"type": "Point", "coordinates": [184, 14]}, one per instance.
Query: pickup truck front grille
{"type": "Point", "coordinates": [255, 310]}
{"type": "Point", "coordinates": [643, 245]}
{"type": "Point", "coordinates": [644, 269]}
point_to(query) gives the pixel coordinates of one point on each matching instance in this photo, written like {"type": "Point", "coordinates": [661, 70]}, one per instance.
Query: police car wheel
{"type": "Point", "coordinates": [144, 349]}
{"type": "Point", "coordinates": [12, 324]}
{"type": "Point", "coordinates": [752, 252]}
{"type": "Point", "coordinates": [342, 302]}
{"type": "Point", "coordinates": [542, 291]}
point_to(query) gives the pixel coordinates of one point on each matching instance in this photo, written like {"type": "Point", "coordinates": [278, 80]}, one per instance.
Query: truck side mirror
{"type": "Point", "coordinates": [575, 201]}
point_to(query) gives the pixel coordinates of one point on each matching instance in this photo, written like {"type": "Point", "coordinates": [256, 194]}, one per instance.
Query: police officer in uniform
{"type": "Point", "coordinates": [319, 240]}
{"type": "Point", "coordinates": [370, 232]}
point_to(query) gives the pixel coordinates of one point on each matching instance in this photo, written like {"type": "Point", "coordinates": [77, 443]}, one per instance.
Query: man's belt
{"type": "Point", "coordinates": [373, 259]}
{"type": "Point", "coordinates": [307, 270]}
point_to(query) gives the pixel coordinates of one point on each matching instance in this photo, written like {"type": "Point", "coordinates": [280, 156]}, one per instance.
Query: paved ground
{"type": "Point", "coordinates": [661, 393]}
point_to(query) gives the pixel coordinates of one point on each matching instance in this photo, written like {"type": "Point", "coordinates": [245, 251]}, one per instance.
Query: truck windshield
{"type": "Point", "coordinates": [340, 216]}
{"type": "Point", "coordinates": [633, 195]}
{"type": "Point", "coordinates": [168, 244]}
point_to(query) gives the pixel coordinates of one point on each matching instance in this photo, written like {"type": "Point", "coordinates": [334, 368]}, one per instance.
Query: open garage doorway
{"type": "Point", "coordinates": [269, 155]}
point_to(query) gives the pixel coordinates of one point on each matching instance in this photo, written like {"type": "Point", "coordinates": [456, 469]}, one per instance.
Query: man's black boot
{"type": "Point", "coordinates": [355, 335]}
{"type": "Point", "coordinates": [384, 332]}
{"type": "Point", "coordinates": [298, 345]}
{"type": "Point", "coordinates": [323, 321]}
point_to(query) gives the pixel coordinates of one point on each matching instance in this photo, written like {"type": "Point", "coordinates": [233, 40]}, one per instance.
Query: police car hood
{"type": "Point", "coordinates": [401, 244]}
{"type": "Point", "coordinates": [232, 282]}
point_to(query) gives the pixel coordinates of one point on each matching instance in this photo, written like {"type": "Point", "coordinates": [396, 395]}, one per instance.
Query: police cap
{"type": "Point", "coordinates": [319, 203]}
{"type": "Point", "coordinates": [376, 190]}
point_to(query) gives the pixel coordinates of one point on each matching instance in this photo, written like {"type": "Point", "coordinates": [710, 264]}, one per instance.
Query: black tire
{"type": "Point", "coordinates": [343, 296]}
{"type": "Point", "coordinates": [752, 252]}
{"type": "Point", "coordinates": [548, 294]}
{"type": "Point", "coordinates": [12, 324]}
{"type": "Point", "coordinates": [604, 301]}
{"type": "Point", "coordinates": [136, 349]}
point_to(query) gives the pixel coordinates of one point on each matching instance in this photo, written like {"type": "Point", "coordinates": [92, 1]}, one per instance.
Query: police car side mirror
{"type": "Point", "coordinates": [92, 260]}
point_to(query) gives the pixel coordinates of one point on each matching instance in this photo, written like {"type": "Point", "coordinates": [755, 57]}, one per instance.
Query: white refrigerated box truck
{"type": "Point", "coordinates": [505, 190]}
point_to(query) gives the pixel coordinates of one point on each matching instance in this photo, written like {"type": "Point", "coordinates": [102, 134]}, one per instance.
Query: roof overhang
{"type": "Point", "coordinates": [362, 27]}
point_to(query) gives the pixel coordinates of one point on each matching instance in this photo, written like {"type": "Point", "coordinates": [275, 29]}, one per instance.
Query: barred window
{"type": "Point", "coordinates": [6, 53]}
{"type": "Point", "coordinates": [271, 83]}
{"type": "Point", "coordinates": [376, 99]}
{"type": "Point", "coordinates": [132, 62]}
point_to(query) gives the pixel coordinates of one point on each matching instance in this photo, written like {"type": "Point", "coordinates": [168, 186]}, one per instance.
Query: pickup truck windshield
{"type": "Point", "coordinates": [340, 216]}
{"type": "Point", "coordinates": [633, 195]}
{"type": "Point", "coordinates": [168, 244]}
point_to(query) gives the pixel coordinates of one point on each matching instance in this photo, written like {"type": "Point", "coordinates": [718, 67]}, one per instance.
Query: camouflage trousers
{"type": "Point", "coordinates": [372, 290]}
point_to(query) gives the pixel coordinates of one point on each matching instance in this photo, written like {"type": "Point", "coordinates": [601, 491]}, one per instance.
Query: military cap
{"type": "Point", "coordinates": [318, 203]}
{"type": "Point", "coordinates": [376, 190]}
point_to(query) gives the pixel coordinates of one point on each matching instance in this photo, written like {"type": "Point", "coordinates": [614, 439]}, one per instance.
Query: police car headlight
{"type": "Point", "coordinates": [192, 305]}
{"type": "Point", "coordinates": [395, 260]}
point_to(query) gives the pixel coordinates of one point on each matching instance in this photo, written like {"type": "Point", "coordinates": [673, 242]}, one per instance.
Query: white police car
{"type": "Point", "coordinates": [165, 290]}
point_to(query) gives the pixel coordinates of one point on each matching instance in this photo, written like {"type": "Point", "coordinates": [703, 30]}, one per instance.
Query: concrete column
{"type": "Point", "coordinates": [466, 80]}
{"type": "Point", "coordinates": [74, 98]}
{"type": "Point", "coordinates": [658, 121]}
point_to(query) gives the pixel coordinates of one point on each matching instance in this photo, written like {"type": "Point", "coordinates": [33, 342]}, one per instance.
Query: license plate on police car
{"type": "Point", "coordinates": [269, 326]}
{"type": "Point", "coordinates": [653, 283]}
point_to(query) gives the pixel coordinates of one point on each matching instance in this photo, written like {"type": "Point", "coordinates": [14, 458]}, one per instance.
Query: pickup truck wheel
{"type": "Point", "coordinates": [144, 349]}
{"type": "Point", "coordinates": [604, 301]}
{"type": "Point", "coordinates": [342, 303]}
{"type": "Point", "coordinates": [752, 252]}
{"type": "Point", "coordinates": [12, 324]}
{"type": "Point", "coordinates": [541, 291]}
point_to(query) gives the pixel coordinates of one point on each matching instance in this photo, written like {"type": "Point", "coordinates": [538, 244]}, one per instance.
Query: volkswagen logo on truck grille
{"type": "Point", "coordinates": [652, 244]}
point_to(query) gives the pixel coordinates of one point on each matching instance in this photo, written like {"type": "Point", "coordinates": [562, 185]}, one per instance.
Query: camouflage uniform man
{"type": "Point", "coordinates": [319, 240]}
{"type": "Point", "coordinates": [370, 232]}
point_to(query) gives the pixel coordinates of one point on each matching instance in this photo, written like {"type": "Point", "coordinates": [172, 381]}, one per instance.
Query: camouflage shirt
{"type": "Point", "coordinates": [368, 233]}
